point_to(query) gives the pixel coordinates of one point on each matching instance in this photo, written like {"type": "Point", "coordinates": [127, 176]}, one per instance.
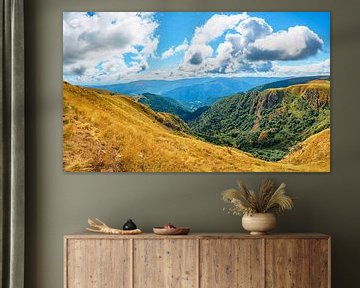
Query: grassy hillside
{"type": "Point", "coordinates": [104, 132]}
{"type": "Point", "coordinates": [267, 123]}
{"type": "Point", "coordinates": [314, 150]}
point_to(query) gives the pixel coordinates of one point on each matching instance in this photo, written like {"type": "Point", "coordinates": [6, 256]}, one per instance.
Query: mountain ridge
{"type": "Point", "coordinates": [289, 82]}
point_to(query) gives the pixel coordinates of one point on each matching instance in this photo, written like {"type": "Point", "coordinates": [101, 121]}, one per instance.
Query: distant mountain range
{"type": "Point", "coordinates": [191, 93]}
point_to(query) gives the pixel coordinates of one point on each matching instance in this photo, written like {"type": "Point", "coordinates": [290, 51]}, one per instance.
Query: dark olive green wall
{"type": "Point", "coordinates": [59, 203]}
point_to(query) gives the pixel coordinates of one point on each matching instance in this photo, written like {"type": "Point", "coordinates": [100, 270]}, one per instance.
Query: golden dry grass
{"type": "Point", "coordinates": [313, 154]}
{"type": "Point", "coordinates": [116, 134]}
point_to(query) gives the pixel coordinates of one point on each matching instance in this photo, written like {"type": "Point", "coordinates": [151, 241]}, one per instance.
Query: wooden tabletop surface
{"type": "Point", "coordinates": [89, 235]}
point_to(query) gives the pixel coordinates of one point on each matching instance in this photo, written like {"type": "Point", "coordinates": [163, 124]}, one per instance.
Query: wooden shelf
{"type": "Point", "coordinates": [88, 235]}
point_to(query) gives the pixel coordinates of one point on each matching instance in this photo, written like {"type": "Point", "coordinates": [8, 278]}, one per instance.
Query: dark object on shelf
{"type": "Point", "coordinates": [129, 225]}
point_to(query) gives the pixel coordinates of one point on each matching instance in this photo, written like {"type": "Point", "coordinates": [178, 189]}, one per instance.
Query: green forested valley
{"type": "Point", "coordinates": [267, 123]}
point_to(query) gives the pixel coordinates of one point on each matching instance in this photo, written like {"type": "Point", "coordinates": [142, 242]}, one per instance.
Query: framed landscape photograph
{"type": "Point", "coordinates": [196, 91]}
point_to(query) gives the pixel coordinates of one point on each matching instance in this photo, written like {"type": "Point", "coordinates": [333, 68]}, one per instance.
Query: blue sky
{"type": "Point", "coordinates": [113, 47]}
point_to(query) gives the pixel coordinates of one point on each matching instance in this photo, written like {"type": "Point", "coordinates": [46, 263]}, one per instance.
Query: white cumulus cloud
{"type": "Point", "coordinates": [250, 45]}
{"type": "Point", "coordinates": [253, 28]}
{"type": "Point", "coordinates": [173, 50]}
{"type": "Point", "coordinates": [196, 55]}
{"type": "Point", "coordinates": [296, 43]}
{"type": "Point", "coordinates": [95, 46]}
{"type": "Point", "coordinates": [215, 27]}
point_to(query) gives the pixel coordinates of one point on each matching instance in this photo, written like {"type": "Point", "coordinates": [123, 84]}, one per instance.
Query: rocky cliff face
{"type": "Point", "coordinates": [268, 99]}
{"type": "Point", "coordinates": [316, 98]}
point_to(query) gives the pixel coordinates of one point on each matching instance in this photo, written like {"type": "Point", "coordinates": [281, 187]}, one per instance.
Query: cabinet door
{"type": "Point", "coordinates": [231, 263]}
{"type": "Point", "coordinates": [320, 263]}
{"type": "Point", "coordinates": [165, 263]}
{"type": "Point", "coordinates": [287, 263]}
{"type": "Point", "coordinates": [98, 263]}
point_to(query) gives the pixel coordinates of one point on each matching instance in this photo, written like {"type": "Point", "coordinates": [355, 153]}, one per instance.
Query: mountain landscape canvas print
{"type": "Point", "coordinates": [196, 92]}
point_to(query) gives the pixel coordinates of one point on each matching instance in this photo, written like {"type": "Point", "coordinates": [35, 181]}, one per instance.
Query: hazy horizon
{"type": "Point", "coordinates": [193, 78]}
